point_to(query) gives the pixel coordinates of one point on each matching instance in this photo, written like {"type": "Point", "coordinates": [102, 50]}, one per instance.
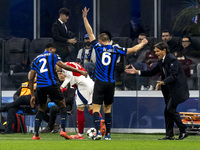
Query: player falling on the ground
{"type": "Point", "coordinates": [84, 91]}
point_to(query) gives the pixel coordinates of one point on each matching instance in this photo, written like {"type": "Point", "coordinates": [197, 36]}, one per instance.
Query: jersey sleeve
{"type": "Point", "coordinates": [95, 44]}
{"type": "Point", "coordinates": [121, 50]}
{"type": "Point", "coordinates": [68, 77]}
{"type": "Point", "coordinates": [57, 58]}
{"type": "Point", "coordinates": [32, 66]}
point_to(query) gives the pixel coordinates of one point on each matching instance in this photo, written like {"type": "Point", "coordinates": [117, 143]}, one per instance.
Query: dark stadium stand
{"type": "Point", "coordinates": [37, 46]}
{"type": "Point", "coordinates": [19, 53]}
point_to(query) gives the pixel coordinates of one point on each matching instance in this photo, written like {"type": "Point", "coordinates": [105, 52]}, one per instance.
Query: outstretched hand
{"type": "Point", "coordinates": [159, 83]}
{"type": "Point", "coordinates": [132, 70]}
{"type": "Point", "coordinates": [85, 11]}
{"type": "Point", "coordinates": [144, 41]}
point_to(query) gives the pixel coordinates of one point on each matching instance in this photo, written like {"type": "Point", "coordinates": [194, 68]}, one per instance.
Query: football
{"type": "Point", "coordinates": [91, 133]}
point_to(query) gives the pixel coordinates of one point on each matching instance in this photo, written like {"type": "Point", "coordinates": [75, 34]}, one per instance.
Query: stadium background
{"type": "Point", "coordinates": [132, 109]}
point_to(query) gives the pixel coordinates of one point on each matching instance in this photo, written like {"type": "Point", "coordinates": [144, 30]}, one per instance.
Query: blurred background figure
{"type": "Point", "coordinates": [63, 38]}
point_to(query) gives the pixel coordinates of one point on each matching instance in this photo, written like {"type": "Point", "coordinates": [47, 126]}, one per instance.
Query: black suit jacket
{"type": "Point", "coordinates": [175, 80]}
{"type": "Point", "coordinates": [60, 35]}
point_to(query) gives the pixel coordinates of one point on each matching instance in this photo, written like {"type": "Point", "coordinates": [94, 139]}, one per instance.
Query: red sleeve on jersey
{"type": "Point", "coordinates": [77, 66]}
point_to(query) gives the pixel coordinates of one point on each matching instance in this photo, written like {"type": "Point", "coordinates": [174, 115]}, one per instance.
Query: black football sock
{"type": "Point", "coordinates": [38, 120]}
{"type": "Point", "coordinates": [63, 115]}
{"type": "Point", "coordinates": [108, 122]}
{"type": "Point", "coordinates": [96, 121]}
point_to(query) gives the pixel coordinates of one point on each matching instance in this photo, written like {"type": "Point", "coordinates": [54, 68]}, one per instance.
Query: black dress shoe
{"type": "Point", "coordinates": [182, 136]}
{"type": "Point", "coordinates": [167, 138]}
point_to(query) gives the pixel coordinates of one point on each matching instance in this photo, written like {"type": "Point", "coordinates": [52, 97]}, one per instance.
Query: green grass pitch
{"type": "Point", "coordinates": [19, 141]}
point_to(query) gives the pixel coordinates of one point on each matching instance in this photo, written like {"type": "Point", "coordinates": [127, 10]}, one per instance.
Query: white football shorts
{"type": "Point", "coordinates": [84, 92]}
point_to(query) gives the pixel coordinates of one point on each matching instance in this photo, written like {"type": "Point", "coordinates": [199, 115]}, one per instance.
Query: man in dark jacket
{"type": "Point", "coordinates": [173, 85]}
{"type": "Point", "coordinates": [173, 43]}
{"type": "Point", "coordinates": [63, 38]}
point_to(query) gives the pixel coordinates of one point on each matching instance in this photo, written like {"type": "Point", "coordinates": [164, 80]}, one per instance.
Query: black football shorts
{"type": "Point", "coordinates": [103, 92]}
{"type": "Point", "coordinates": [52, 91]}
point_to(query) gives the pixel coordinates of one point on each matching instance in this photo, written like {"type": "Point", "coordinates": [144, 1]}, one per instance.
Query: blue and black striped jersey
{"type": "Point", "coordinates": [106, 58]}
{"type": "Point", "coordinates": [44, 65]}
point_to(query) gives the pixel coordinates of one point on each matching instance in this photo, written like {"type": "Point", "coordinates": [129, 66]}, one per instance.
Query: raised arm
{"type": "Point", "coordinates": [87, 25]}
{"type": "Point", "coordinates": [137, 47]}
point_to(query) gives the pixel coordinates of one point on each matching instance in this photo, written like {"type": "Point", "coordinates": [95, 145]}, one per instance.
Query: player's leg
{"type": "Point", "coordinates": [108, 100]}
{"type": "Point", "coordinates": [41, 98]}
{"type": "Point", "coordinates": [102, 121]}
{"type": "Point", "coordinates": [96, 111]}
{"type": "Point", "coordinates": [38, 119]}
{"type": "Point", "coordinates": [80, 122]}
{"type": "Point", "coordinates": [63, 116]}
{"type": "Point", "coordinates": [108, 120]}
{"type": "Point", "coordinates": [82, 99]}
{"type": "Point", "coordinates": [97, 101]}
{"type": "Point", "coordinates": [56, 96]}
{"type": "Point", "coordinates": [91, 112]}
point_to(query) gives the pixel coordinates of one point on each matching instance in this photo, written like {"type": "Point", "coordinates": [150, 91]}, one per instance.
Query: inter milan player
{"type": "Point", "coordinates": [44, 65]}
{"type": "Point", "coordinates": [106, 58]}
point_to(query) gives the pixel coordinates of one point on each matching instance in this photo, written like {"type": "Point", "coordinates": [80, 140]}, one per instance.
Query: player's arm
{"type": "Point", "coordinates": [67, 67]}
{"type": "Point", "coordinates": [31, 86]}
{"type": "Point", "coordinates": [87, 25]}
{"type": "Point", "coordinates": [68, 78]}
{"type": "Point", "coordinates": [137, 47]}
{"type": "Point", "coordinates": [65, 83]}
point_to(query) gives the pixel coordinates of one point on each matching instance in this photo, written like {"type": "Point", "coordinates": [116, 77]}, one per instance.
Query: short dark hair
{"type": "Point", "coordinates": [65, 11]}
{"type": "Point", "coordinates": [50, 45]}
{"type": "Point", "coordinates": [162, 46]}
{"type": "Point", "coordinates": [187, 36]}
{"type": "Point", "coordinates": [165, 30]}
{"type": "Point", "coordinates": [143, 34]}
{"type": "Point", "coordinates": [103, 37]}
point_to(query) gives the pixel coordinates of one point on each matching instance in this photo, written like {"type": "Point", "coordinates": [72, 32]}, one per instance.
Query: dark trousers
{"type": "Point", "coordinates": [23, 100]}
{"type": "Point", "coordinates": [53, 112]}
{"type": "Point", "coordinates": [171, 116]}
{"type": "Point", "coordinates": [68, 53]}
{"type": "Point", "coordinates": [12, 109]}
